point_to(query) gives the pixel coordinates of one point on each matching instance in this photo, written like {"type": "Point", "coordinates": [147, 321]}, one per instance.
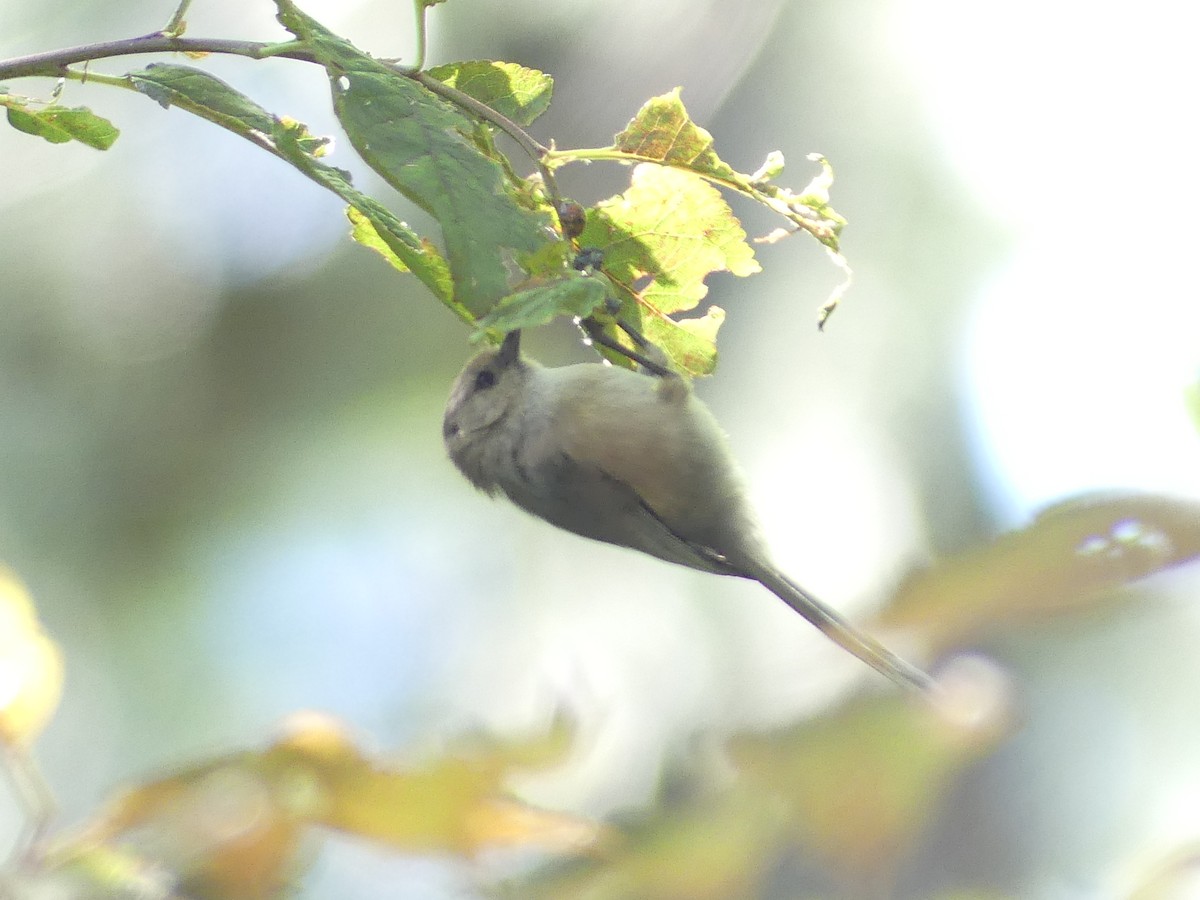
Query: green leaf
{"type": "Point", "coordinates": [1067, 560]}
{"type": "Point", "coordinates": [661, 238]}
{"type": "Point", "coordinates": [514, 91]}
{"type": "Point", "coordinates": [31, 123]}
{"type": "Point", "coordinates": [374, 225]}
{"type": "Point", "coordinates": [59, 124]}
{"type": "Point", "coordinates": [364, 232]}
{"type": "Point", "coordinates": [195, 91]}
{"type": "Point", "coordinates": [426, 149]}
{"type": "Point", "coordinates": [377, 227]}
{"type": "Point", "coordinates": [573, 294]}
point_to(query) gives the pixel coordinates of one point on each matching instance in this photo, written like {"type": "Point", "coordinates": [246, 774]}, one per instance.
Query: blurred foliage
{"type": "Point", "coordinates": [242, 827]}
{"type": "Point", "coordinates": [1071, 555]}
{"type": "Point", "coordinates": [850, 794]}
{"type": "Point", "coordinates": [31, 672]}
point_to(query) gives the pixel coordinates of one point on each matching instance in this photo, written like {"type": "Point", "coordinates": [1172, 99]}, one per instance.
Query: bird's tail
{"type": "Point", "coordinates": [839, 630]}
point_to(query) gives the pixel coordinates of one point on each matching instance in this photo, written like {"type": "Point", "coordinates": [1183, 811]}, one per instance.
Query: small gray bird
{"type": "Point", "coordinates": [628, 459]}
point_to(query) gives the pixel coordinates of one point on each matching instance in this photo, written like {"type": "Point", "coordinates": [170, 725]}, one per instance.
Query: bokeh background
{"type": "Point", "coordinates": [220, 463]}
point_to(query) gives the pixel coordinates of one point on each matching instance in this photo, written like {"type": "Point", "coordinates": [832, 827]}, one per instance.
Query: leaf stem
{"type": "Point", "coordinates": [800, 216]}
{"type": "Point", "coordinates": [84, 76]}
{"type": "Point", "coordinates": [176, 26]}
{"type": "Point", "coordinates": [421, 9]}
{"type": "Point", "coordinates": [556, 158]}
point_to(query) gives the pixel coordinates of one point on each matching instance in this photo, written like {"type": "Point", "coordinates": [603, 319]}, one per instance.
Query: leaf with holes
{"type": "Point", "coordinates": [661, 239]}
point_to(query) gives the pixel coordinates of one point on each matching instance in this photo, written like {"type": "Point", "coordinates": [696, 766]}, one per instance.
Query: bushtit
{"type": "Point", "coordinates": [629, 459]}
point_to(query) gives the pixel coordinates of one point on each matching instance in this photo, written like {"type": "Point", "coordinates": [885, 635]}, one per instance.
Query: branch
{"type": "Point", "coordinates": [53, 63]}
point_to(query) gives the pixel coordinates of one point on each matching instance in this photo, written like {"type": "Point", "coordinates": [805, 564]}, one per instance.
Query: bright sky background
{"type": "Point", "coordinates": [1074, 124]}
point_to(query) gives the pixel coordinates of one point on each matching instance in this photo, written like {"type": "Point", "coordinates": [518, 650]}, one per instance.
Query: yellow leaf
{"type": "Point", "coordinates": [456, 803]}
{"type": "Point", "coordinates": [31, 668]}
{"type": "Point", "coordinates": [237, 825]}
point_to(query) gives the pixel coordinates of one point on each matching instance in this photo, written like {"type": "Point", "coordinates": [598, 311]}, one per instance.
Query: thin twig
{"type": "Point", "coordinates": [52, 62]}
{"type": "Point", "coordinates": [177, 24]}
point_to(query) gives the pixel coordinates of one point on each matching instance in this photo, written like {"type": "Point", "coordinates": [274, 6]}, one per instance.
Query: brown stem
{"type": "Point", "coordinates": [52, 62]}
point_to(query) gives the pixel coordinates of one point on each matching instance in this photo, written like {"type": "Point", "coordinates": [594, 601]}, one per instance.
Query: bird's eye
{"type": "Point", "coordinates": [485, 379]}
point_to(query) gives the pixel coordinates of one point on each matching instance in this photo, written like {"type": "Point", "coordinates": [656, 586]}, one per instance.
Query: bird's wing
{"type": "Point", "coordinates": [591, 502]}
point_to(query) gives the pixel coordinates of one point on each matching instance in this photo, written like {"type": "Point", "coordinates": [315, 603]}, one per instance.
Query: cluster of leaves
{"type": "Point", "coordinates": [504, 261]}
{"type": "Point", "coordinates": [854, 790]}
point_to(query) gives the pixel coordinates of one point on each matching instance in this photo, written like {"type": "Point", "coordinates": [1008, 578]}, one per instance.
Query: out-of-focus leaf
{"type": "Point", "coordinates": [90, 872]}
{"type": "Point", "coordinates": [427, 149]}
{"type": "Point", "coordinates": [60, 124]}
{"type": "Point", "coordinates": [572, 294]}
{"type": "Point", "coordinates": [661, 238]}
{"type": "Point", "coordinates": [860, 784]}
{"type": "Point", "coordinates": [31, 668]}
{"type": "Point", "coordinates": [851, 790]}
{"type": "Point", "coordinates": [517, 93]}
{"type": "Point", "coordinates": [1193, 403]}
{"type": "Point", "coordinates": [454, 804]}
{"type": "Point", "coordinates": [717, 849]}
{"type": "Point", "coordinates": [1177, 877]}
{"type": "Point", "coordinates": [231, 829]}
{"type": "Point", "coordinates": [234, 828]}
{"type": "Point", "coordinates": [1065, 560]}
